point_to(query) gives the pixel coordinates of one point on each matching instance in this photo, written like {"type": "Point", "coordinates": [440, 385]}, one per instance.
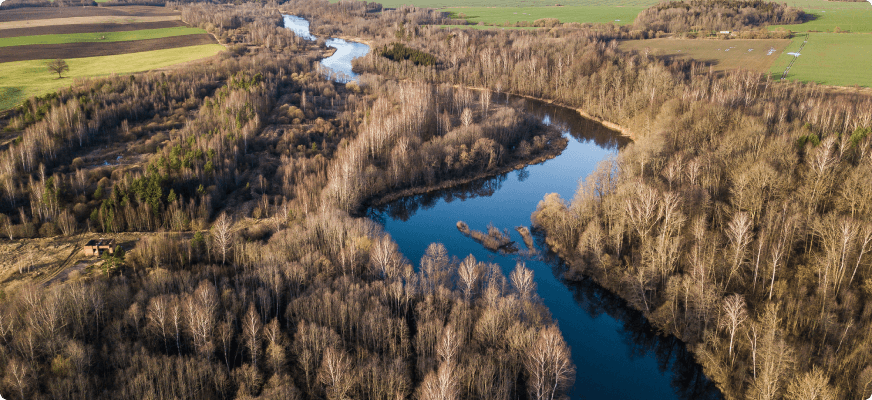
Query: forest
{"type": "Point", "coordinates": [253, 277]}
{"type": "Point", "coordinates": [739, 219]}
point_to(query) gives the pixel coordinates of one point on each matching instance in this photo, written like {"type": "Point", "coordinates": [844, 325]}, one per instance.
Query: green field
{"type": "Point", "coordinates": [22, 79]}
{"type": "Point", "coordinates": [857, 20]}
{"type": "Point", "coordinates": [485, 27]}
{"type": "Point", "coordinates": [829, 58]}
{"type": "Point", "coordinates": [518, 3]}
{"type": "Point", "coordinates": [101, 37]}
{"type": "Point", "coordinates": [499, 15]}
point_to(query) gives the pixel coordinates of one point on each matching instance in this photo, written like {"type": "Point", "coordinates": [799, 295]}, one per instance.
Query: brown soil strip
{"type": "Point", "coordinates": [87, 28]}
{"type": "Point", "coordinates": [37, 13]}
{"type": "Point", "coordinates": [81, 50]}
{"type": "Point", "coordinates": [85, 20]}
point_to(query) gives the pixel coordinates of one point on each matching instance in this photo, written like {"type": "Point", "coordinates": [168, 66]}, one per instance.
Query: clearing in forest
{"type": "Point", "coordinates": [23, 79]}
{"type": "Point", "coordinates": [837, 59]}
{"type": "Point", "coordinates": [753, 54]}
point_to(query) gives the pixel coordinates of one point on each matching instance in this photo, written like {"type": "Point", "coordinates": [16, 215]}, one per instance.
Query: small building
{"type": "Point", "coordinates": [98, 246]}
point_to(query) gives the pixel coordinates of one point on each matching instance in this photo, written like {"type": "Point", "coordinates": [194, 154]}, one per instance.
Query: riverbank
{"type": "Point", "coordinates": [548, 154]}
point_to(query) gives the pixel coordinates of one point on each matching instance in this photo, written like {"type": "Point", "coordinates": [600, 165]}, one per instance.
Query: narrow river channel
{"type": "Point", "coordinates": [616, 352]}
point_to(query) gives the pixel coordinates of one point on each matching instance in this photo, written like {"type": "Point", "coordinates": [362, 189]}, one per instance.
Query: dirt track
{"type": "Point", "coordinates": [80, 50]}
{"type": "Point", "coordinates": [37, 13]}
{"type": "Point", "coordinates": [87, 28]}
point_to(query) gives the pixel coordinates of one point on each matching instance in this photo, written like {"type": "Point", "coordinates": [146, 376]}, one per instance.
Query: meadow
{"type": "Point", "coordinates": [100, 37]}
{"type": "Point", "coordinates": [591, 14]}
{"type": "Point", "coordinates": [23, 79]}
{"type": "Point", "coordinates": [829, 58]}
{"type": "Point", "coordinates": [857, 20]}
{"type": "Point", "coordinates": [753, 54]}
{"type": "Point", "coordinates": [518, 3]}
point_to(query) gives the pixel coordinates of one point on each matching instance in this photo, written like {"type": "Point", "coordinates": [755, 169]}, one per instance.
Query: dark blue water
{"type": "Point", "coordinates": [616, 352]}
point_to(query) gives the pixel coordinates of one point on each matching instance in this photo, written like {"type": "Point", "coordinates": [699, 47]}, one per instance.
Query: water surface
{"type": "Point", "coordinates": [337, 66]}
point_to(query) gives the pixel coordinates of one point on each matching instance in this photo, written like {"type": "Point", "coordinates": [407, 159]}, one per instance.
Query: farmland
{"type": "Point", "coordinates": [830, 59]}
{"type": "Point", "coordinates": [94, 41]}
{"type": "Point", "coordinates": [100, 37]}
{"type": "Point", "coordinates": [77, 50]}
{"type": "Point", "coordinates": [30, 78]}
{"type": "Point", "coordinates": [850, 20]}
{"type": "Point", "coordinates": [88, 28]}
{"type": "Point", "coordinates": [590, 14]}
{"type": "Point", "coordinates": [110, 19]}
{"type": "Point", "coordinates": [757, 54]}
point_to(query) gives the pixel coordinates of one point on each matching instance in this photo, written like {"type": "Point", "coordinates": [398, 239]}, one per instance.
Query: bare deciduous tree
{"type": "Point", "coordinates": [735, 314]}
{"type": "Point", "coordinates": [549, 364]}
{"type": "Point", "coordinates": [468, 274]}
{"type": "Point", "coordinates": [336, 374]}
{"type": "Point", "coordinates": [812, 385]}
{"type": "Point", "coordinates": [222, 235]}
{"type": "Point", "coordinates": [522, 278]}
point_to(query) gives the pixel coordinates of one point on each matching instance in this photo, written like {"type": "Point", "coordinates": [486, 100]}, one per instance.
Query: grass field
{"type": "Point", "coordinates": [518, 3]}
{"type": "Point", "coordinates": [852, 20]}
{"type": "Point", "coordinates": [757, 55]}
{"type": "Point", "coordinates": [22, 79]}
{"type": "Point", "coordinates": [499, 15]}
{"type": "Point", "coordinates": [101, 37]}
{"type": "Point", "coordinates": [830, 59]}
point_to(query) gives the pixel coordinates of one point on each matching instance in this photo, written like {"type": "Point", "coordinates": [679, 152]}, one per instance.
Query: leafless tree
{"type": "Point", "coordinates": [739, 233]}
{"type": "Point", "coordinates": [222, 235]}
{"type": "Point", "coordinates": [735, 314]}
{"type": "Point", "coordinates": [549, 364]}
{"type": "Point", "coordinates": [522, 278]}
{"type": "Point", "coordinates": [466, 117]}
{"type": "Point", "coordinates": [336, 373]}
{"type": "Point", "coordinates": [468, 273]}
{"type": "Point", "coordinates": [251, 330]}
{"type": "Point", "coordinates": [812, 385]}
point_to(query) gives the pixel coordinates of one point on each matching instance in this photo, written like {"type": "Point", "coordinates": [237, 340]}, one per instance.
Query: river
{"type": "Point", "coordinates": [617, 353]}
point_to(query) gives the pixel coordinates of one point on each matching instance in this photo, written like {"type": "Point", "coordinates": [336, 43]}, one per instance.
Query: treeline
{"type": "Point", "coordinates": [716, 15]}
{"type": "Point", "coordinates": [724, 223]}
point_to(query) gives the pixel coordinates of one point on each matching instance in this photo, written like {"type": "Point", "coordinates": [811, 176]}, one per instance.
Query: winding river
{"type": "Point", "coordinates": [617, 353]}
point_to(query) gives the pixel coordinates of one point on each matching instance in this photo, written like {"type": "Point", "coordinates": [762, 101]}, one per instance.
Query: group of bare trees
{"type": "Point", "coordinates": [282, 294]}
{"type": "Point", "coordinates": [750, 245]}
{"type": "Point", "coordinates": [431, 136]}
{"type": "Point", "coordinates": [718, 15]}
{"type": "Point", "coordinates": [317, 311]}
{"type": "Point", "coordinates": [738, 221]}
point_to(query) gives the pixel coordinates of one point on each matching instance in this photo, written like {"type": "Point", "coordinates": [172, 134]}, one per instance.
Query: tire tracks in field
{"type": "Point", "coordinates": [798, 53]}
